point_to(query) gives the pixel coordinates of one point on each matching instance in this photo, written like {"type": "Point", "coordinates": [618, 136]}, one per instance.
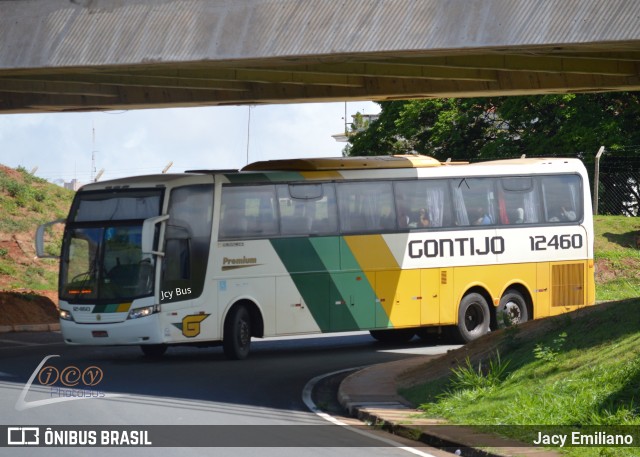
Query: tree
{"type": "Point", "coordinates": [564, 125]}
{"type": "Point", "coordinates": [551, 125]}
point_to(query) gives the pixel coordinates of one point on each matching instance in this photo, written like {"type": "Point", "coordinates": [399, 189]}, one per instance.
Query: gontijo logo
{"type": "Point", "coordinates": [190, 324]}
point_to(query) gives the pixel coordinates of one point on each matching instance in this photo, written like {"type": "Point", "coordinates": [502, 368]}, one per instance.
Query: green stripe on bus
{"type": "Point", "coordinates": [313, 281]}
{"type": "Point", "coordinates": [331, 282]}
{"type": "Point", "coordinates": [113, 308]}
{"type": "Point", "coordinates": [367, 312]}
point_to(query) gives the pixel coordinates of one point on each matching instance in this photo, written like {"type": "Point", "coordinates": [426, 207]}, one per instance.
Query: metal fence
{"type": "Point", "coordinates": [618, 183]}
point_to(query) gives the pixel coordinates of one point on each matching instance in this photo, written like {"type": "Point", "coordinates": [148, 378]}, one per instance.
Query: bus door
{"type": "Point", "coordinates": [430, 304]}
{"type": "Point", "coordinates": [184, 264]}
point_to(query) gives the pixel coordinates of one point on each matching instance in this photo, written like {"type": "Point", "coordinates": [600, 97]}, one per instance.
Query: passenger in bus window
{"type": "Point", "coordinates": [402, 214]}
{"type": "Point", "coordinates": [480, 217]}
{"type": "Point", "coordinates": [423, 218]}
{"type": "Point", "coordinates": [519, 219]}
{"type": "Point", "coordinates": [567, 214]}
{"type": "Point", "coordinates": [562, 214]}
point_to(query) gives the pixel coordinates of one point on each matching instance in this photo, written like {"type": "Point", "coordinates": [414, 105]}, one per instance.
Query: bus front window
{"type": "Point", "coordinates": [106, 263]}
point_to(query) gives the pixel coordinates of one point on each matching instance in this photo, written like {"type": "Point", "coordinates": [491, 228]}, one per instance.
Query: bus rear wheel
{"type": "Point", "coordinates": [474, 318]}
{"type": "Point", "coordinates": [237, 334]}
{"type": "Point", "coordinates": [393, 336]}
{"type": "Point", "coordinates": [512, 309]}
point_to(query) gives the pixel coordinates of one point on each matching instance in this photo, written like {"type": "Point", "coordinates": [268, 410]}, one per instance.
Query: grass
{"type": "Point", "coordinates": [26, 202]}
{"type": "Point", "coordinates": [584, 371]}
{"type": "Point", "coordinates": [617, 257]}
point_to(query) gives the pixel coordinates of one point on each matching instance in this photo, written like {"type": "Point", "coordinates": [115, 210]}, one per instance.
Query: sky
{"type": "Point", "coordinates": [137, 142]}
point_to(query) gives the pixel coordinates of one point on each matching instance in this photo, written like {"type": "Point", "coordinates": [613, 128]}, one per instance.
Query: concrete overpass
{"type": "Point", "coordinates": [73, 55]}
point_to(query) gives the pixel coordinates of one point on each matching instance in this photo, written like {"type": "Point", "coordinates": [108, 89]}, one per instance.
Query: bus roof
{"type": "Point", "coordinates": [345, 163]}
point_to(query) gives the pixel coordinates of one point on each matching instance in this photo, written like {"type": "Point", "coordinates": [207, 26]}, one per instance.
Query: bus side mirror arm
{"type": "Point", "coordinates": [40, 253]}
{"type": "Point", "coordinates": [148, 234]}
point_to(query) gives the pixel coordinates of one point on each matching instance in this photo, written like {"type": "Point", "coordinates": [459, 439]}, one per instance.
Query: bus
{"type": "Point", "coordinates": [396, 245]}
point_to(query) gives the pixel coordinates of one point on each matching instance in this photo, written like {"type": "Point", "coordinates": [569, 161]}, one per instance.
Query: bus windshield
{"type": "Point", "coordinates": [102, 252]}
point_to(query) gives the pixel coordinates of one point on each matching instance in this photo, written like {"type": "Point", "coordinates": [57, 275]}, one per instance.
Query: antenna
{"type": "Point", "coordinates": [169, 165]}
{"type": "Point", "coordinates": [99, 175]}
{"type": "Point", "coordinates": [33, 170]}
{"type": "Point", "coordinates": [93, 153]}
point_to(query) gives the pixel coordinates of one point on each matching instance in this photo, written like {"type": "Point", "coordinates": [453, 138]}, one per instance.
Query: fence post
{"type": "Point", "coordinates": [596, 181]}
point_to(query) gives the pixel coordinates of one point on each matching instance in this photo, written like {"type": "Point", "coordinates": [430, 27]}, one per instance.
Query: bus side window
{"type": "Point", "coordinates": [562, 198]}
{"type": "Point", "coordinates": [307, 209]}
{"type": "Point", "coordinates": [248, 212]}
{"type": "Point", "coordinates": [421, 203]}
{"type": "Point", "coordinates": [474, 201]}
{"type": "Point", "coordinates": [518, 200]}
{"type": "Point", "coordinates": [366, 207]}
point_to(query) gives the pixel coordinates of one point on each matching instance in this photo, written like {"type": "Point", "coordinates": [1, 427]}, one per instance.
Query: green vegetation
{"type": "Point", "coordinates": [584, 369]}
{"type": "Point", "coordinates": [617, 256]}
{"type": "Point", "coordinates": [27, 201]}
{"type": "Point", "coordinates": [475, 128]}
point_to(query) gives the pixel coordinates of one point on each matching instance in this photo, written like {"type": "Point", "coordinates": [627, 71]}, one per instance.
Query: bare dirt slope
{"type": "Point", "coordinates": [18, 308]}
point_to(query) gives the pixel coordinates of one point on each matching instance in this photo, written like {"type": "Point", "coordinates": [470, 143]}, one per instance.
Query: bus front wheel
{"type": "Point", "coordinates": [237, 334]}
{"type": "Point", "coordinates": [474, 318]}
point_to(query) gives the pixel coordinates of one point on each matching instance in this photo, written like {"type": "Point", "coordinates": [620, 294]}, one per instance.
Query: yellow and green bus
{"type": "Point", "coordinates": [396, 245]}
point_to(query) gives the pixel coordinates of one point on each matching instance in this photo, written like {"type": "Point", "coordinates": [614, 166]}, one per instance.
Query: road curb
{"type": "Point", "coordinates": [16, 328]}
{"type": "Point", "coordinates": [371, 396]}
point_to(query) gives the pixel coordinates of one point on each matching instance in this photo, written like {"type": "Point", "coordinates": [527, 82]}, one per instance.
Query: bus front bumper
{"type": "Point", "coordinates": [144, 330]}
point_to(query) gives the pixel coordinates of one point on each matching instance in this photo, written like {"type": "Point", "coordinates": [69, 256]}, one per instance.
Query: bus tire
{"type": "Point", "coordinates": [474, 318]}
{"type": "Point", "coordinates": [512, 309]}
{"type": "Point", "coordinates": [393, 336]}
{"type": "Point", "coordinates": [153, 351]}
{"type": "Point", "coordinates": [237, 334]}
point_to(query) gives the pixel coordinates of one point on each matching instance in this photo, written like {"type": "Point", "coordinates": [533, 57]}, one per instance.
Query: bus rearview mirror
{"type": "Point", "coordinates": [149, 234]}
{"type": "Point", "coordinates": [40, 251]}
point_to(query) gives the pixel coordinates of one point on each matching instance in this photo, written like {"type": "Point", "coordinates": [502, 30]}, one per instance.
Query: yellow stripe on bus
{"type": "Point", "coordinates": [398, 291]}
{"type": "Point", "coordinates": [323, 175]}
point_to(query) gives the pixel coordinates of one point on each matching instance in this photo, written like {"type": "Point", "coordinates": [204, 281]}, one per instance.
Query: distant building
{"type": "Point", "coordinates": [74, 185]}
{"type": "Point", "coordinates": [360, 123]}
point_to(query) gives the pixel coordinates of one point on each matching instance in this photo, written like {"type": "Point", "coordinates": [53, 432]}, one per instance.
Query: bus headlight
{"type": "Point", "coordinates": [142, 312]}
{"type": "Point", "coordinates": [65, 315]}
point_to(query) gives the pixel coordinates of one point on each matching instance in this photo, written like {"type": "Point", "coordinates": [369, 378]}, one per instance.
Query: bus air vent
{"type": "Point", "coordinates": [567, 284]}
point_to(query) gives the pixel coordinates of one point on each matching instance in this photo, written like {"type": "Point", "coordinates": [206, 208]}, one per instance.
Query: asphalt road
{"type": "Point", "coordinates": [255, 403]}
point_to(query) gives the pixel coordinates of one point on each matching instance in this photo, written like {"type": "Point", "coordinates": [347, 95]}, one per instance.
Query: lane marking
{"type": "Point", "coordinates": [20, 343]}
{"type": "Point", "coordinates": [308, 401]}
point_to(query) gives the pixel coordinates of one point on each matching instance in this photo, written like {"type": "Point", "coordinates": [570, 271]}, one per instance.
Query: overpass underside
{"type": "Point", "coordinates": [60, 55]}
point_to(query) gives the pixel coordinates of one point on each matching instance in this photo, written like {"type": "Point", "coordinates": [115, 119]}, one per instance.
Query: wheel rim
{"type": "Point", "coordinates": [473, 317]}
{"type": "Point", "coordinates": [244, 335]}
{"type": "Point", "coordinates": [512, 313]}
